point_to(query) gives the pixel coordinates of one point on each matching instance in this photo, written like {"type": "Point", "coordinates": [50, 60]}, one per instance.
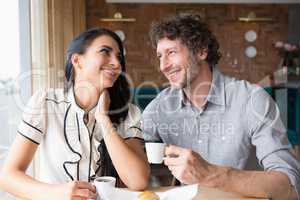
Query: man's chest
{"type": "Point", "coordinates": [220, 138]}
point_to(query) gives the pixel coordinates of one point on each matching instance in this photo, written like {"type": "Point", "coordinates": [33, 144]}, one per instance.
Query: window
{"type": "Point", "coordinates": [14, 63]}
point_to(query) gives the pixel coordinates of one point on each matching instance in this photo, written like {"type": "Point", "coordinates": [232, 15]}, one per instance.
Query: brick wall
{"type": "Point", "coordinates": [141, 58]}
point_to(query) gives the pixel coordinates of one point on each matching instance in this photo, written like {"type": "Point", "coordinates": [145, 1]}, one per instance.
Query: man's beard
{"type": "Point", "coordinates": [192, 71]}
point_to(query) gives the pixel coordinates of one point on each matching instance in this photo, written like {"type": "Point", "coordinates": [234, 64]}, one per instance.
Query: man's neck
{"type": "Point", "coordinates": [198, 90]}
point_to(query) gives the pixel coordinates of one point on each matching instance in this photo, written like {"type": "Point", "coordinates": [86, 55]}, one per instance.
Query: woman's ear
{"type": "Point", "coordinates": [75, 59]}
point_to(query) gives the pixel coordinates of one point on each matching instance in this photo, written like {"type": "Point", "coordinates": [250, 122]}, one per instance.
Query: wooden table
{"type": "Point", "coordinates": [205, 193]}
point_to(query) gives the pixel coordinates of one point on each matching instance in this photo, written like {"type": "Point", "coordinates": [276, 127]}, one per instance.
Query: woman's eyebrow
{"type": "Point", "coordinates": [107, 47]}
{"type": "Point", "coordinates": [110, 49]}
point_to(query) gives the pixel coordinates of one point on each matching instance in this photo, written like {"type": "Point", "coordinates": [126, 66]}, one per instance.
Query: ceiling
{"type": "Point", "coordinates": [205, 1]}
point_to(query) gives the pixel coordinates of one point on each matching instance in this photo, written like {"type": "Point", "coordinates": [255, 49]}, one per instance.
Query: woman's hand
{"type": "Point", "coordinates": [101, 114]}
{"type": "Point", "coordinates": [74, 190]}
{"type": "Point", "coordinates": [103, 105]}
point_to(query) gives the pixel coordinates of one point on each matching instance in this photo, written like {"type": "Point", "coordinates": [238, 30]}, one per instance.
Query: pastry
{"type": "Point", "coordinates": [148, 195]}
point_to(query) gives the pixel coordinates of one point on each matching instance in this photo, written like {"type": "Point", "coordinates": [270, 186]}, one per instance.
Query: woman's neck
{"type": "Point", "coordinates": [86, 96]}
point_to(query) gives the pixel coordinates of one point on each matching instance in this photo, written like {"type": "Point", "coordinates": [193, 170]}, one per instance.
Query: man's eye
{"type": "Point", "coordinates": [158, 56]}
{"type": "Point", "coordinates": [172, 52]}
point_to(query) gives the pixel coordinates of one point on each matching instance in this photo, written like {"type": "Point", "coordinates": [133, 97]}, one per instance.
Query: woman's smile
{"type": "Point", "coordinates": [110, 73]}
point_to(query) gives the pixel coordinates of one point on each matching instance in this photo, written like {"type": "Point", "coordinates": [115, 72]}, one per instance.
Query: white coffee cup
{"type": "Point", "coordinates": [155, 152]}
{"type": "Point", "coordinates": [105, 186]}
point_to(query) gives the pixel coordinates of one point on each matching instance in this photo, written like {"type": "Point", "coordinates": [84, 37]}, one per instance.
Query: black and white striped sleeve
{"type": "Point", "coordinates": [32, 125]}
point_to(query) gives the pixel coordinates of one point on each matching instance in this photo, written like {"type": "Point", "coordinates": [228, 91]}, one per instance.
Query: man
{"type": "Point", "coordinates": [211, 121]}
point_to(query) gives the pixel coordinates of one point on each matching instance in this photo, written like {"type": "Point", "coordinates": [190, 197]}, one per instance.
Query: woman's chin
{"type": "Point", "coordinates": [107, 84]}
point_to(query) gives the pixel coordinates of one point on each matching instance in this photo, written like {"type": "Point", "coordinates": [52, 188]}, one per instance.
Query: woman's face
{"type": "Point", "coordinates": [100, 65]}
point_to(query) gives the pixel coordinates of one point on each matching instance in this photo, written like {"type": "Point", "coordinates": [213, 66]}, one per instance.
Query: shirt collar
{"type": "Point", "coordinates": [78, 109]}
{"type": "Point", "coordinates": [216, 93]}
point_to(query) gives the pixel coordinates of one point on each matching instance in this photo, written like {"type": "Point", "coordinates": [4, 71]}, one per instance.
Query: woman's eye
{"type": "Point", "coordinates": [119, 56]}
{"type": "Point", "coordinates": [105, 51]}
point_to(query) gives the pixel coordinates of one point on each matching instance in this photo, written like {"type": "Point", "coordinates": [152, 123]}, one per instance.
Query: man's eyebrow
{"type": "Point", "coordinates": [171, 48]}
{"type": "Point", "coordinates": [175, 47]}
{"type": "Point", "coordinates": [168, 49]}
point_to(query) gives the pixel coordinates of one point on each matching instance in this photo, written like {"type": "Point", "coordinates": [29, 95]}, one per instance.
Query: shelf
{"type": "Point", "coordinates": [118, 17]}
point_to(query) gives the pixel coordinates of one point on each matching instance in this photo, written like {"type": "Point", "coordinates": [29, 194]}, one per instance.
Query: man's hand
{"type": "Point", "coordinates": [187, 166]}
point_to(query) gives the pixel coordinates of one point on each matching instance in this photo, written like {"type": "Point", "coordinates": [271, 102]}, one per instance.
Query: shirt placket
{"type": "Point", "coordinates": [85, 145]}
{"type": "Point", "coordinates": [202, 137]}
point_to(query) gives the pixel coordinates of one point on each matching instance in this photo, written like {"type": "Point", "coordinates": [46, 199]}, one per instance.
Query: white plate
{"type": "Point", "coordinates": [178, 193]}
{"type": "Point", "coordinates": [250, 36]}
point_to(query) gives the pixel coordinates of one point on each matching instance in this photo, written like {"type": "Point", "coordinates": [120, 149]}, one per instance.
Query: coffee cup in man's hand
{"type": "Point", "coordinates": [155, 152]}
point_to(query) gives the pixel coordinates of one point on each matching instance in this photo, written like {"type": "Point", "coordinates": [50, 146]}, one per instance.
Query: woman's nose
{"type": "Point", "coordinates": [114, 61]}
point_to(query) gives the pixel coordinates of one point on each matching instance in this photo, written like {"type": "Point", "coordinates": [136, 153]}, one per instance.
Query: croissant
{"type": "Point", "coordinates": [148, 195]}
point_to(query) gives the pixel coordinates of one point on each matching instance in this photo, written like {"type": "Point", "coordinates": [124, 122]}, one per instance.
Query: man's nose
{"type": "Point", "coordinates": [163, 64]}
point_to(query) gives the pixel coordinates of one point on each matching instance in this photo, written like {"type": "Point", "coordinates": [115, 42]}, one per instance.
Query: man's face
{"type": "Point", "coordinates": [176, 62]}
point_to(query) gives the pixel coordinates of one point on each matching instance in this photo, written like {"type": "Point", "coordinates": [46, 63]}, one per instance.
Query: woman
{"type": "Point", "coordinates": [81, 130]}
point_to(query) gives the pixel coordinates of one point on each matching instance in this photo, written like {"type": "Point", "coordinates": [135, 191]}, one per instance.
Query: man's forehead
{"type": "Point", "coordinates": [165, 43]}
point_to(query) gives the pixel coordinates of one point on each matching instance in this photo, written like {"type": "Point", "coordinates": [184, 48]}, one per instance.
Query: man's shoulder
{"type": "Point", "coordinates": [242, 90]}
{"type": "Point", "coordinates": [240, 86]}
{"type": "Point", "coordinates": [168, 92]}
{"type": "Point", "coordinates": [163, 98]}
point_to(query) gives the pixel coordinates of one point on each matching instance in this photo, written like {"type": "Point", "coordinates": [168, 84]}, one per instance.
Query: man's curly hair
{"type": "Point", "coordinates": [191, 31]}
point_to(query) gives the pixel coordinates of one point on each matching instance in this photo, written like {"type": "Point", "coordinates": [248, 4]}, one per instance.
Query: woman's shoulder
{"type": "Point", "coordinates": [47, 98]}
{"type": "Point", "coordinates": [55, 95]}
{"type": "Point", "coordinates": [134, 114]}
{"type": "Point", "coordinates": [133, 110]}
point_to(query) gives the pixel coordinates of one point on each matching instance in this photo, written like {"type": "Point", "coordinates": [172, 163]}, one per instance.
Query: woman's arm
{"type": "Point", "coordinates": [128, 156]}
{"type": "Point", "coordinates": [14, 180]}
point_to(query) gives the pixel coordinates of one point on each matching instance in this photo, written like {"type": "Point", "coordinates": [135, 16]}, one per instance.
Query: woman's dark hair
{"type": "Point", "coordinates": [119, 92]}
{"type": "Point", "coordinates": [191, 31]}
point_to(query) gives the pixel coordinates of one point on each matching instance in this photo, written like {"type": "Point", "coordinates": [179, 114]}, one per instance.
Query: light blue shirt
{"type": "Point", "coordinates": [237, 117]}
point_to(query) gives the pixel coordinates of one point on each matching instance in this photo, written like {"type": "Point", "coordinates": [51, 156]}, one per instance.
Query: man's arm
{"type": "Point", "coordinates": [269, 136]}
{"type": "Point", "coordinates": [272, 185]}
{"type": "Point", "coordinates": [189, 167]}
